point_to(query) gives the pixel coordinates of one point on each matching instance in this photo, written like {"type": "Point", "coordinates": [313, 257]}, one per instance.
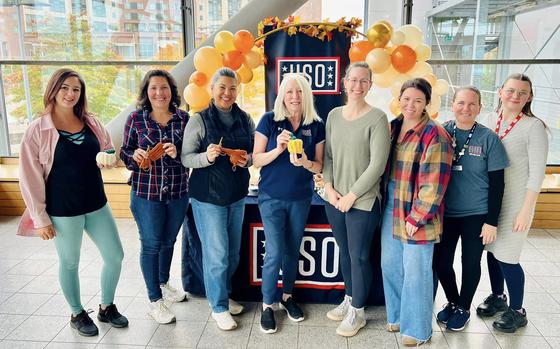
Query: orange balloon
{"type": "Point", "coordinates": [243, 41]}
{"type": "Point", "coordinates": [198, 78]}
{"type": "Point", "coordinates": [359, 50]}
{"type": "Point", "coordinates": [233, 59]}
{"type": "Point", "coordinates": [403, 58]}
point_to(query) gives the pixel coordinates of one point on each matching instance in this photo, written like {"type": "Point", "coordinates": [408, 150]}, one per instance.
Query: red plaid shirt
{"type": "Point", "coordinates": [421, 174]}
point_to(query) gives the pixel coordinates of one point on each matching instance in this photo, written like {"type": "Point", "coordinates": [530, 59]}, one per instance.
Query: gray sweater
{"type": "Point", "coordinates": [356, 153]}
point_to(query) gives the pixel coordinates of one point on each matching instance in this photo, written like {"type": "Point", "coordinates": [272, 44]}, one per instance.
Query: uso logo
{"type": "Point", "coordinates": [321, 72]}
{"type": "Point", "coordinates": [318, 261]}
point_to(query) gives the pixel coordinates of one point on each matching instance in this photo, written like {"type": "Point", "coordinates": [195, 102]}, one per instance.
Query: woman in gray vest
{"type": "Point", "coordinates": [218, 188]}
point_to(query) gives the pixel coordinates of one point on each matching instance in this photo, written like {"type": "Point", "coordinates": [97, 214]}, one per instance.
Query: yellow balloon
{"type": "Point", "coordinates": [197, 97]}
{"type": "Point", "coordinates": [387, 23]}
{"type": "Point", "coordinates": [397, 84]}
{"type": "Point", "coordinates": [379, 35]}
{"type": "Point", "coordinates": [420, 69]}
{"type": "Point", "coordinates": [435, 105]}
{"type": "Point", "coordinates": [223, 41]}
{"type": "Point", "coordinates": [245, 74]}
{"type": "Point", "coordinates": [207, 60]}
{"type": "Point", "coordinates": [386, 78]}
{"type": "Point", "coordinates": [398, 38]}
{"type": "Point", "coordinates": [442, 87]}
{"type": "Point", "coordinates": [394, 107]}
{"type": "Point", "coordinates": [423, 52]}
{"type": "Point", "coordinates": [413, 35]}
{"type": "Point", "coordinates": [252, 59]}
{"type": "Point", "coordinates": [378, 60]}
{"type": "Point", "coordinates": [431, 79]}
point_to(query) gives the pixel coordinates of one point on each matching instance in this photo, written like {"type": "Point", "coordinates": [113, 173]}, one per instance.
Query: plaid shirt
{"type": "Point", "coordinates": [421, 175]}
{"type": "Point", "coordinates": [167, 178]}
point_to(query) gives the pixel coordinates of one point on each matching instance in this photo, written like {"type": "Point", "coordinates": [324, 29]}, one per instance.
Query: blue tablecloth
{"type": "Point", "coordinates": [319, 278]}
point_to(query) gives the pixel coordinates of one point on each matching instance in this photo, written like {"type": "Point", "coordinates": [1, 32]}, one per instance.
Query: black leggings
{"type": "Point", "coordinates": [468, 229]}
{"type": "Point", "coordinates": [514, 277]}
{"type": "Point", "coordinates": [353, 232]}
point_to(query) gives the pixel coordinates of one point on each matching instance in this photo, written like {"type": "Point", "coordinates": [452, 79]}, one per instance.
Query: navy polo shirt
{"type": "Point", "coordinates": [280, 179]}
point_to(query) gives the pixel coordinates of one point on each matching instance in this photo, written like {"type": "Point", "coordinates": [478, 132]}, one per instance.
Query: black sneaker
{"type": "Point", "coordinates": [84, 324]}
{"type": "Point", "coordinates": [446, 312]}
{"type": "Point", "coordinates": [491, 305]}
{"type": "Point", "coordinates": [112, 316]}
{"type": "Point", "coordinates": [510, 321]}
{"type": "Point", "coordinates": [459, 319]}
{"type": "Point", "coordinates": [292, 309]}
{"type": "Point", "coordinates": [268, 322]}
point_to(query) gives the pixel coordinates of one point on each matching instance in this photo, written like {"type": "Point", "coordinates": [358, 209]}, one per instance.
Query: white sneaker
{"type": "Point", "coordinates": [160, 312]}
{"type": "Point", "coordinates": [354, 320]}
{"type": "Point", "coordinates": [224, 320]}
{"type": "Point", "coordinates": [338, 313]}
{"type": "Point", "coordinates": [235, 308]}
{"type": "Point", "coordinates": [171, 294]}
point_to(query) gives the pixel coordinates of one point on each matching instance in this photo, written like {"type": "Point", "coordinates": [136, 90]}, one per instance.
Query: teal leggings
{"type": "Point", "coordinates": [102, 229]}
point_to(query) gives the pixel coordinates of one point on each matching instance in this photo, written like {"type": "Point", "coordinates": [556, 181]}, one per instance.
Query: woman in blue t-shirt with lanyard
{"type": "Point", "coordinates": [472, 204]}
{"type": "Point", "coordinates": [286, 188]}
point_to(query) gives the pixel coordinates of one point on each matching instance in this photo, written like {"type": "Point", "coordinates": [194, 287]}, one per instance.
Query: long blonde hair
{"type": "Point", "coordinates": [308, 107]}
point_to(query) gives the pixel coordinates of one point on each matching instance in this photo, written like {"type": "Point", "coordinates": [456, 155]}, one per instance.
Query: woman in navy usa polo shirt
{"type": "Point", "coordinates": [286, 188]}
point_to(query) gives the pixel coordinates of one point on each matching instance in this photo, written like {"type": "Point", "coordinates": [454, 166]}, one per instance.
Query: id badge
{"type": "Point", "coordinates": [457, 168]}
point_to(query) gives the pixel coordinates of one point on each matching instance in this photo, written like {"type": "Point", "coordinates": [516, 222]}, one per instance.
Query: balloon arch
{"type": "Point", "coordinates": [394, 56]}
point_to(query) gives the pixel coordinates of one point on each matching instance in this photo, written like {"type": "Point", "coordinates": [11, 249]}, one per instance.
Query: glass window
{"type": "Point", "coordinates": [485, 30]}
{"type": "Point", "coordinates": [84, 30]}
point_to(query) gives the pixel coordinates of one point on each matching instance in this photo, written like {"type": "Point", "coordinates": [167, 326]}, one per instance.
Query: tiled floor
{"type": "Point", "coordinates": [34, 314]}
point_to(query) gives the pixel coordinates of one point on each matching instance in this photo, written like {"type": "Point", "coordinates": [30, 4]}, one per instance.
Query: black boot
{"type": "Point", "coordinates": [112, 316]}
{"type": "Point", "coordinates": [84, 324]}
{"type": "Point", "coordinates": [491, 305]}
{"type": "Point", "coordinates": [510, 321]}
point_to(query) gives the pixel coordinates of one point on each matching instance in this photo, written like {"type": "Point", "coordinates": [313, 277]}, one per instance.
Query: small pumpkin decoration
{"type": "Point", "coordinates": [295, 145]}
{"type": "Point", "coordinates": [106, 158]}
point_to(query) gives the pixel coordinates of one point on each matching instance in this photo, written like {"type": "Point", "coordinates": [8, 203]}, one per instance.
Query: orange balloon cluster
{"type": "Point", "coordinates": [235, 51]}
{"type": "Point", "coordinates": [396, 56]}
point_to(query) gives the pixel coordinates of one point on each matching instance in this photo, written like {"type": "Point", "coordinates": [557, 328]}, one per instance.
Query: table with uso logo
{"type": "Point", "coordinates": [319, 277]}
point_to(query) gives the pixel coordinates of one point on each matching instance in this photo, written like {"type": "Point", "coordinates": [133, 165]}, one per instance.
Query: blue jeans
{"type": "Point", "coordinates": [407, 279]}
{"type": "Point", "coordinates": [219, 229]}
{"type": "Point", "coordinates": [158, 224]}
{"type": "Point", "coordinates": [284, 223]}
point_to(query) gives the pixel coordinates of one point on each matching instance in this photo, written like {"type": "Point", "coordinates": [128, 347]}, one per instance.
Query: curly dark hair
{"type": "Point", "coordinates": [143, 100]}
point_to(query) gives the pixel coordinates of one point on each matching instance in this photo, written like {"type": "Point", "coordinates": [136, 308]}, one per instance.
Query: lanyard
{"type": "Point", "coordinates": [457, 157]}
{"type": "Point", "coordinates": [510, 127]}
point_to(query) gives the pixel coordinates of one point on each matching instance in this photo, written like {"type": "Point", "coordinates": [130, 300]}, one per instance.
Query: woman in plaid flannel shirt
{"type": "Point", "coordinates": [416, 177]}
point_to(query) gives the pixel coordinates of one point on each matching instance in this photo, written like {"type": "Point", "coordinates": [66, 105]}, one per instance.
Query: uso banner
{"type": "Point", "coordinates": [321, 62]}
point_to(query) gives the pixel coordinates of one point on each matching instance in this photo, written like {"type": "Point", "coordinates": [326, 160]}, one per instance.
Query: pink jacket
{"type": "Point", "coordinates": [35, 163]}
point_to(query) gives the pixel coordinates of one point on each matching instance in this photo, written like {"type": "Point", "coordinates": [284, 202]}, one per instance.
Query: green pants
{"type": "Point", "coordinates": [102, 229]}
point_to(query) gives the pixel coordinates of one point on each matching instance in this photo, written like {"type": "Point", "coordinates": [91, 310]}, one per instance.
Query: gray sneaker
{"type": "Point", "coordinates": [354, 320]}
{"type": "Point", "coordinates": [338, 313]}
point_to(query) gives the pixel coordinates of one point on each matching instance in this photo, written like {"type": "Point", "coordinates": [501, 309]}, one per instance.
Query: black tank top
{"type": "Point", "coordinates": [74, 186]}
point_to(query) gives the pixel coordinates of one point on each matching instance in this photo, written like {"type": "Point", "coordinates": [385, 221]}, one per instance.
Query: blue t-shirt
{"type": "Point", "coordinates": [467, 193]}
{"type": "Point", "coordinates": [280, 179]}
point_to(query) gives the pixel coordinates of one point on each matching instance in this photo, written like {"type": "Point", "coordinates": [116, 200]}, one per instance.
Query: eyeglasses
{"type": "Point", "coordinates": [519, 93]}
{"type": "Point", "coordinates": [361, 82]}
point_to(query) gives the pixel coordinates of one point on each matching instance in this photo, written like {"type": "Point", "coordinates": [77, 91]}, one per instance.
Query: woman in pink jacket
{"type": "Point", "coordinates": [62, 188]}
